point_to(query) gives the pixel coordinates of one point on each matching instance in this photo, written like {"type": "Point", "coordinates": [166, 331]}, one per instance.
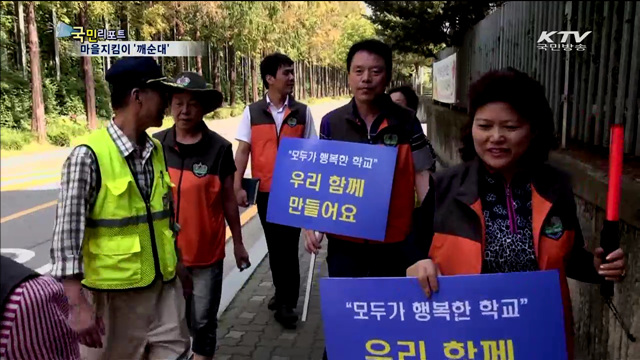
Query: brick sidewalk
{"type": "Point", "coordinates": [247, 329]}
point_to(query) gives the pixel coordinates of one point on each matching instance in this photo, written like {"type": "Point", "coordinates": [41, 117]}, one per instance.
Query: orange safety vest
{"type": "Point", "coordinates": [265, 140]}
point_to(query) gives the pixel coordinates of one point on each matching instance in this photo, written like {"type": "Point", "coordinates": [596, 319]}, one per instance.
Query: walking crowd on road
{"type": "Point", "coordinates": [140, 231]}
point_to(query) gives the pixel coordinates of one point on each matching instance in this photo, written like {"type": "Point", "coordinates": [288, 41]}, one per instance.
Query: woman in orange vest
{"type": "Point", "coordinates": [505, 209]}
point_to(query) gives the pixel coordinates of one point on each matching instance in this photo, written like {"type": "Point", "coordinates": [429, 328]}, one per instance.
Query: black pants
{"type": "Point", "coordinates": [370, 259]}
{"type": "Point", "coordinates": [282, 244]}
{"type": "Point", "coordinates": [350, 259]}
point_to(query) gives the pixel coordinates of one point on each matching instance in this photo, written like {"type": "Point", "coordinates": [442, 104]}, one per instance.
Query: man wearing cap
{"type": "Point", "coordinates": [263, 124]}
{"type": "Point", "coordinates": [114, 239]}
{"type": "Point", "coordinates": [201, 164]}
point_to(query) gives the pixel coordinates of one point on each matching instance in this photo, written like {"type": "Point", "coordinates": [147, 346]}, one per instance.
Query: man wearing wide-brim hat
{"type": "Point", "coordinates": [201, 165]}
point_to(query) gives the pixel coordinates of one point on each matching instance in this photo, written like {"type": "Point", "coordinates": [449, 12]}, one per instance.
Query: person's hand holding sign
{"type": "Point", "coordinates": [427, 273]}
{"type": "Point", "coordinates": [312, 241]}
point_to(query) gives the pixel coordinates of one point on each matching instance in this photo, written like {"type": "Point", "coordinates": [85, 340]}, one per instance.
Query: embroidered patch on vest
{"type": "Point", "coordinates": [292, 122]}
{"type": "Point", "coordinates": [391, 139]}
{"type": "Point", "coordinates": [200, 169]}
{"type": "Point", "coordinates": [553, 229]}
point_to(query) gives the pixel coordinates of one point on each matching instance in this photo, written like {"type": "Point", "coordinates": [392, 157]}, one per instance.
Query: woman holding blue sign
{"type": "Point", "coordinates": [505, 209]}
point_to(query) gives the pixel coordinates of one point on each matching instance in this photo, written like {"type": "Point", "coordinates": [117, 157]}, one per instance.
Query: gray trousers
{"type": "Point", "coordinates": [204, 304]}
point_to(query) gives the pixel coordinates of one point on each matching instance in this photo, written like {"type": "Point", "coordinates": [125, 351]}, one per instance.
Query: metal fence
{"type": "Point", "coordinates": [588, 90]}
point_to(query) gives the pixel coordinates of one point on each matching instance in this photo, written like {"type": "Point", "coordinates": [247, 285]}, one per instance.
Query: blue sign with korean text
{"type": "Point", "coordinates": [337, 187]}
{"type": "Point", "coordinates": [515, 316]}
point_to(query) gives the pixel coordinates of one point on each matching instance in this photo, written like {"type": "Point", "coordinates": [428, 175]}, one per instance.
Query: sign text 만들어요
{"type": "Point", "coordinates": [332, 186]}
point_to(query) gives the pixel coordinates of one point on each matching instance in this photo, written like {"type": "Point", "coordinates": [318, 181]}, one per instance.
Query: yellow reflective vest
{"type": "Point", "coordinates": [128, 241]}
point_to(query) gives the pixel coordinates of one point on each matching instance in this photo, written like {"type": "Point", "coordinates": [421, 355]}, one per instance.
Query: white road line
{"type": "Point", "coordinates": [23, 255]}
{"type": "Point", "coordinates": [236, 279]}
{"type": "Point", "coordinates": [45, 269]}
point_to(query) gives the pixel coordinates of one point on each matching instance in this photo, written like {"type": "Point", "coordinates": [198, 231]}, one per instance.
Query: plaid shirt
{"type": "Point", "coordinates": [78, 194]}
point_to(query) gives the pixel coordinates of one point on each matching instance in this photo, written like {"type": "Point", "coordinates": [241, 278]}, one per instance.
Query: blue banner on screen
{"type": "Point", "coordinates": [332, 186]}
{"type": "Point", "coordinates": [517, 316]}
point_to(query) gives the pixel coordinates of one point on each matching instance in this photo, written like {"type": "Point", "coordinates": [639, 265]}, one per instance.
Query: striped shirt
{"type": "Point", "coordinates": [78, 193]}
{"type": "Point", "coordinates": [34, 323]}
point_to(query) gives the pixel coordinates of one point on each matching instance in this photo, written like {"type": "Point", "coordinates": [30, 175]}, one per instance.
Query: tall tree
{"type": "Point", "coordinates": [107, 59]}
{"type": "Point", "coordinates": [245, 78]}
{"type": "Point", "coordinates": [232, 74]}
{"type": "Point", "coordinates": [22, 51]}
{"type": "Point", "coordinates": [87, 69]}
{"type": "Point", "coordinates": [198, 57]}
{"type": "Point", "coordinates": [56, 42]}
{"type": "Point", "coordinates": [179, 34]}
{"type": "Point", "coordinates": [37, 100]}
{"type": "Point", "coordinates": [422, 27]}
{"type": "Point", "coordinates": [254, 78]}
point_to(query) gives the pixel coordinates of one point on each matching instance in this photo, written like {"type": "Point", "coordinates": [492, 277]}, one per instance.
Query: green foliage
{"type": "Point", "coordinates": [237, 109]}
{"type": "Point", "coordinates": [220, 113]}
{"type": "Point", "coordinates": [12, 139]}
{"type": "Point", "coordinates": [421, 27]}
{"type": "Point", "coordinates": [60, 130]}
{"type": "Point", "coordinates": [15, 100]}
{"type": "Point", "coordinates": [318, 33]}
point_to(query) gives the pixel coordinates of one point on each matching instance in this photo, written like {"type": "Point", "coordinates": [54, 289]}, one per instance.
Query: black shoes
{"type": "Point", "coordinates": [272, 304]}
{"type": "Point", "coordinates": [286, 317]}
{"type": "Point", "coordinates": [283, 314]}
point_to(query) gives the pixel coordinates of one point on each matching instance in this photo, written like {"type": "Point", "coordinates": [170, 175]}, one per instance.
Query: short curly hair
{"type": "Point", "coordinates": [527, 98]}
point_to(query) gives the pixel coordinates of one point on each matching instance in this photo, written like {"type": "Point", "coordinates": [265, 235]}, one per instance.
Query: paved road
{"type": "Point", "coordinates": [29, 189]}
{"type": "Point", "coordinates": [248, 330]}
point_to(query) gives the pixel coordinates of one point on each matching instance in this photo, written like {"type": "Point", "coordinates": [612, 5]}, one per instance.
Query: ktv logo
{"type": "Point", "coordinates": [545, 41]}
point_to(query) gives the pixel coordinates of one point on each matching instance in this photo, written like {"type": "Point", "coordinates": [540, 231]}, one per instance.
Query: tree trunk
{"type": "Point", "coordinates": [320, 82]}
{"type": "Point", "coordinates": [327, 89]}
{"type": "Point", "coordinates": [160, 58]}
{"type": "Point", "coordinates": [334, 91]}
{"type": "Point", "coordinates": [37, 101]}
{"type": "Point", "coordinates": [232, 74]}
{"type": "Point", "coordinates": [311, 82]}
{"type": "Point", "coordinates": [254, 78]}
{"type": "Point", "coordinates": [56, 43]}
{"type": "Point", "coordinates": [298, 80]}
{"type": "Point", "coordinates": [225, 68]}
{"type": "Point", "coordinates": [199, 57]}
{"type": "Point", "coordinates": [303, 78]}
{"type": "Point", "coordinates": [20, 41]}
{"type": "Point", "coordinates": [216, 69]}
{"type": "Point", "coordinates": [326, 81]}
{"type": "Point", "coordinates": [323, 90]}
{"type": "Point", "coordinates": [107, 59]}
{"type": "Point", "coordinates": [245, 79]}
{"type": "Point", "coordinates": [127, 24]}
{"type": "Point", "coordinates": [209, 63]}
{"type": "Point", "coordinates": [179, 32]}
{"type": "Point", "coordinates": [90, 93]}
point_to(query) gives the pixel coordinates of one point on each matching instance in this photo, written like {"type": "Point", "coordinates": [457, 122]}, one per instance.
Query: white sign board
{"type": "Point", "coordinates": [444, 80]}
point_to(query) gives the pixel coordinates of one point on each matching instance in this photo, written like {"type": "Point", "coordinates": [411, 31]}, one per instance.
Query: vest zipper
{"type": "Point", "coordinates": [179, 187]}
{"type": "Point", "coordinates": [510, 210]}
{"type": "Point", "coordinates": [154, 246]}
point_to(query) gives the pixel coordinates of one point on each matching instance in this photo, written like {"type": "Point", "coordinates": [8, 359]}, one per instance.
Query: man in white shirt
{"type": "Point", "coordinates": [263, 124]}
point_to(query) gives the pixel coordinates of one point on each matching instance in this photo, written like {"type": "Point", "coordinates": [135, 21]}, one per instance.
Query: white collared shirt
{"type": "Point", "coordinates": [244, 129]}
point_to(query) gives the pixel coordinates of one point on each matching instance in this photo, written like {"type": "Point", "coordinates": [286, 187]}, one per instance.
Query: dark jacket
{"type": "Point", "coordinates": [395, 126]}
{"type": "Point", "coordinates": [457, 245]}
